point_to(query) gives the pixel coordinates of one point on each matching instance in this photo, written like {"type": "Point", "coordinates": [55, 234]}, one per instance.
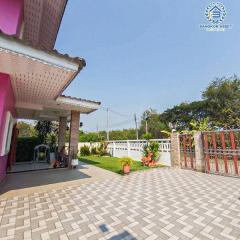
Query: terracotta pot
{"type": "Point", "coordinates": [126, 169]}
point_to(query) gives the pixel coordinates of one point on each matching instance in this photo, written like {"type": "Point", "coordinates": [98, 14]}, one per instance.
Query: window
{"type": "Point", "coordinates": [7, 136]}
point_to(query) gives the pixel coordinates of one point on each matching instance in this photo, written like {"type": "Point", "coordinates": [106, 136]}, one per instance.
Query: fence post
{"type": "Point", "coordinates": [175, 150]}
{"type": "Point", "coordinates": [199, 152]}
{"type": "Point", "coordinates": [114, 149]}
{"type": "Point", "coordinates": [128, 148]}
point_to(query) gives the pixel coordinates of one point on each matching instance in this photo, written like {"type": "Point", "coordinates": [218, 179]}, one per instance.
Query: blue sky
{"type": "Point", "coordinates": [145, 53]}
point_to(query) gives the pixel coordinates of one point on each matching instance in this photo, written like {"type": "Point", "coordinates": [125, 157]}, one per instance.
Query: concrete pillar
{"type": "Point", "coordinates": [175, 150]}
{"type": "Point", "coordinates": [74, 132]}
{"type": "Point", "coordinates": [62, 132]}
{"type": "Point", "coordinates": [199, 152]}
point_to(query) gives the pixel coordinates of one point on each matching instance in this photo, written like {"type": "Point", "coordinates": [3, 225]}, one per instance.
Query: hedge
{"type": "Point", "coordinates": [25, 148]}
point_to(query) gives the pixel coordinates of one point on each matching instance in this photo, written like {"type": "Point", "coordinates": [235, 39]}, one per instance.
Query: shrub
{"type": "Point", "coordinates": [151, 149]}
{"type": "Point", "coordinates": [25, 148]}
{"type": "Point", "coordinates": [126, 161]}
{"type": "Point", "coordinates": [85, 151]}
{"type": "Point", "coordinates": [102, 149]}
{"type": "Point", "coordinates": [94, 151]}
{"type": "Point", "coordinates": [154, 149]}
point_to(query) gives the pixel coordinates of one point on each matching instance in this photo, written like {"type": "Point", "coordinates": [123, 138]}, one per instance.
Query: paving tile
{"type": "Point", "coordinates": [156, 204]}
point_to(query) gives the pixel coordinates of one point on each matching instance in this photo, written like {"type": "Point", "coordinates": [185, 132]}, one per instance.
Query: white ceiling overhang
{"type": "Point", "coordinates": [52, 110]}
{"type": "Point", "coordinates": [42, 19]}
{"type": "Point", "coordinates": [39, 77]}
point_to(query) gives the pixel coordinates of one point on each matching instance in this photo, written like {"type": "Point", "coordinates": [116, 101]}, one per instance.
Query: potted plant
{"type": "Point", "coordinates": [41, 156]}
{"type": "Point", "coordinates": [150, 154]}
{"type": "Point", "coordinates": [126, 163]}
{"type": "Point", "coordinates": [74, 161]}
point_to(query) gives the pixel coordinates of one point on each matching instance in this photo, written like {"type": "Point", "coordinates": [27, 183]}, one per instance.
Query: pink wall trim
{"type": "Point", "coordinates": [7, 103]}
{"type": "Point", "coordinates": [11, 16]}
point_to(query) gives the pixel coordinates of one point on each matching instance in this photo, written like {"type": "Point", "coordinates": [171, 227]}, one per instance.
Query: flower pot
{"type": "Point", "coordinates": [126, 169]}
{"type": "Point", "coordinates": [74, 162]}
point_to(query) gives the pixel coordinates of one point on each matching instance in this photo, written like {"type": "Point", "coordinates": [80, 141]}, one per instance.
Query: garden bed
{"type": "Point", "coordinates": [112, 163]}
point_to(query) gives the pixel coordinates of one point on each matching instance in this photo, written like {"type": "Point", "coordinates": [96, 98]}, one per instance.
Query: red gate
{"type": "Point", "coordinates": [187, 151]}
{"type": "Point", "coordinates": [222, 152]}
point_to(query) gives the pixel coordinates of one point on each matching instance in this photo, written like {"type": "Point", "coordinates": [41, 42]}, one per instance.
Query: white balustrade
{"type": "Point", "coordinates": [134, 149]}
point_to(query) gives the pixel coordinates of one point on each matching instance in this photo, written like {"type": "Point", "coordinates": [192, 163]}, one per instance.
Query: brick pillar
{"type": "Point", "coordinates": [199, 152]}
{"type": "Point", "coordinates": [74, 133]}
{"type": "Point", "coordinates": [62, 133]}
{"type": "Point", "coordinates": [175, 150]}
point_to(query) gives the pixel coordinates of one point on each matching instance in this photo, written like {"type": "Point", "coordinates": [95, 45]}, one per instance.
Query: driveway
{"type": "Point", "coordinates": [154, 204]}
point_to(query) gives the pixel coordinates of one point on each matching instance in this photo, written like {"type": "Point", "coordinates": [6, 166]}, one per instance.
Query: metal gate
{"type": "Point", "coordinates": [222, 152]}
{"type": "Point", "coordinates": [187, 151]}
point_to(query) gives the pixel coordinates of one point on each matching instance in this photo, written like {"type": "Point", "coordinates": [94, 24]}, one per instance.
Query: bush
{"type": "Point", "coordinates": [126, 161]}
{"type": "Point", "coordinates": [102, 149]}
{"type": "Point", "coordinates": [94, 151]}
{"type": "Point", "coordinates": [85, 151]}
{"type": "Point", "coordinates": [154, 148]}
{"type": "Point", "coordinates": [25, 148]}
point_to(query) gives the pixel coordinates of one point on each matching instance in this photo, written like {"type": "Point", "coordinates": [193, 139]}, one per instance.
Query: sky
{"type": "Point", "coordinates": [145, 54]}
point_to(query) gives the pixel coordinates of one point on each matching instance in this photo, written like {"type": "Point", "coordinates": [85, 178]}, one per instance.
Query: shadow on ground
{"type": "Point", "coordinates": [40, 178]}
{"type": "Point", "coordinates": [123, 235]}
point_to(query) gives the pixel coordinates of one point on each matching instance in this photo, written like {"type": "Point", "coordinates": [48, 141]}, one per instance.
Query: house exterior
{"type": "Point", "coordinates": [33, 75]}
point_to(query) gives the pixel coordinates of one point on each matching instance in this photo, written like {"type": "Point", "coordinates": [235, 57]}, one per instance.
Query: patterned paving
{"type": "Point", "coordinates": [155, 204]}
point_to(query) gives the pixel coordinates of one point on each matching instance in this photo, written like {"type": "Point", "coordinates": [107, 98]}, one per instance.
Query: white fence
{"type": "Point", "coordinates": [134, 149]}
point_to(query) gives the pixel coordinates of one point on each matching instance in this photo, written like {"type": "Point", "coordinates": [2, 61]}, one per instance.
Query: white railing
{"type": "Point", "coordinates": [134, 149]}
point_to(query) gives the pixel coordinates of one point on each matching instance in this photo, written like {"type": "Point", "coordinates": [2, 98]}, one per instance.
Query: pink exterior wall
{"type": "Point", "coordinates": [7, 103]}
{"type": "Point", "coordinates": [11, 15]}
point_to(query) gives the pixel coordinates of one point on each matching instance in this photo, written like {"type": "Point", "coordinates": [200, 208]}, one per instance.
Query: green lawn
{"type": "Point", "coordinates": [111, 163]}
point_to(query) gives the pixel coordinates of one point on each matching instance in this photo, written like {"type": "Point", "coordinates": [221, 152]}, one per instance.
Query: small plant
{"type": "Point", "coordinates": [94, 151]}
{"type": "Point", "coordinates": [41, 156]}
{"type": "Point", "coordinates": [102, 149]}
{"type": "Point", "coordinates": [85, 151]}
{"type": "Point", "coordinates": [150, 154]}
{"type": "Point", "coordinates": [126, 163]}
{"type": "Point", "coordinates": [154, 149]}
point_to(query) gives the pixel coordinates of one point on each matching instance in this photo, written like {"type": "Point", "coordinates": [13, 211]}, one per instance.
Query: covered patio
{"type": "Point", "coordinates": [38, 77]}
{"type": "Point", "coordinates": [32, 182]}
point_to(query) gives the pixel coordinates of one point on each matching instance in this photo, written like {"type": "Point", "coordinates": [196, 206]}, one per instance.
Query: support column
{"type": "Point", "coordinates": [62, 133]}
{"type": "Point", "coordinates": [175, 150]}
{"type": "Point", "coordinates": [199, 152]}
{"type": "Point", "coordinates": [74, 133]}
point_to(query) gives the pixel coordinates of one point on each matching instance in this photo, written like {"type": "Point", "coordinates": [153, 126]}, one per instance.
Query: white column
{"type": "Point", "coordinates": [114, 149]}
{"type": "Point", "coordinates": [199, 153]}
{"type": "Point", "coordinates": [128, 149]}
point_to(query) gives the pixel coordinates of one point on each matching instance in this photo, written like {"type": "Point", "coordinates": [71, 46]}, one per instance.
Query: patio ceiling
{"type": "Point", "coordinates": [52, 110]}
{"type": "Point", "coordinates": [38, 78]}
{"type": "Point", "coordinates": [42, 19]}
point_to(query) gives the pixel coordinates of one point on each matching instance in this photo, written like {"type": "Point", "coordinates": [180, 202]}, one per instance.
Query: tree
{"type": "Point", "coordinates": [89, 137]}
{"type": "Point", "coordinates": [44, 128]}
{"type": "Point", "coordinates": [26, 129]}
{"type": "Point", "coordinates": [222, 98]}
{"type": "Point", "coordinates": [184, 113]}
{"type": "Point", "coordinates": [155, 124]}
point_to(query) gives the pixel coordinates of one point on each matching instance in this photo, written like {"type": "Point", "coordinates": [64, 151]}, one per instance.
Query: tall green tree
{"type": "Point", "coordinates": [222, 99]}
{"type": "Point", "coordinates": [44, 128]}
{"type": "Point", "coordinates": [184, 113]}
{"type": "Point", "coordinates": [155, 124]}
{"type": "Point", "coordinates": [26, 129]}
